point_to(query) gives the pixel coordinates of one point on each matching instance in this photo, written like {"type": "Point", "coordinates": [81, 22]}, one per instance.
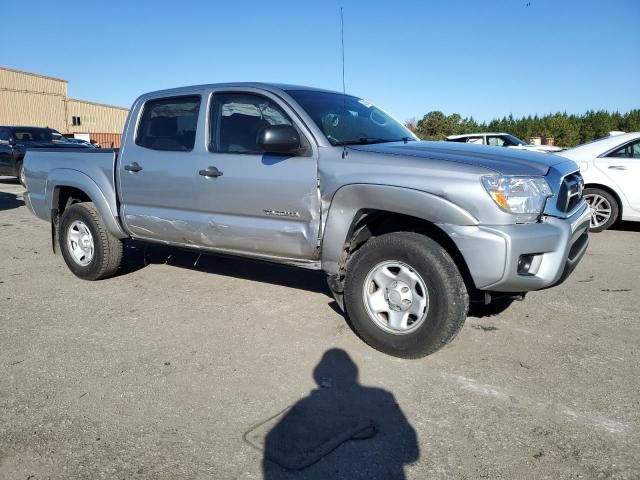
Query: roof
{"type": "Point", "coordinates": [263, 85]}
{"type": "Point", "coordinates": [600, 145]}
{"type": "Point", "coordinates": [31, 127]}
{"type": "Point", "coordinates": [34, 74]}
{"type": "Point", "coordinates": [476, 133]}
{"type": "Point", "coordinates": [98, 104]}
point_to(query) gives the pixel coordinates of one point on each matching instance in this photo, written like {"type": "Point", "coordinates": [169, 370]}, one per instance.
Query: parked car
{"type": "Point", "coordinates": [15, 141]}
{"type": "Point", "coordinates": [80, 141]}
{"type": "Point", "coordinates": [611, 170]}
{"type": "Point", "coordinates": [500, 140]}
{"type": "Point", "coordinates": [407, 231]}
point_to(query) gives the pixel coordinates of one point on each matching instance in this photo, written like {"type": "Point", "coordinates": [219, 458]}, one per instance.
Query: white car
{"type": "Point", "coordinates": [501, 140]}
{"type": "Point", "coordinates": [610, 167]}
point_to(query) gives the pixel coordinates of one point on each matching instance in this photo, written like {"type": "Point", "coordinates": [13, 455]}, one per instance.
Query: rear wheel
{"type": "Point", "coordinates": [604, 208]}
{"type": "Point", "coordinates": [21, 177]}
{"type": "Point", "coordinates": [90, 251]}
{"type": "Point", "coordinates": [404, 295]}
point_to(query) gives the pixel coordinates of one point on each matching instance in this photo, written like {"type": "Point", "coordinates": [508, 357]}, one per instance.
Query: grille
{"type": "Point", "coordinates": [570, 193]}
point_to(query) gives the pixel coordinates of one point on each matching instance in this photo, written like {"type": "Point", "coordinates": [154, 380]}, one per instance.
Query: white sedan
{"type": "Point", "coordinates": [610, 167]}
{"type": "Point", "coordinates": [500, 139]}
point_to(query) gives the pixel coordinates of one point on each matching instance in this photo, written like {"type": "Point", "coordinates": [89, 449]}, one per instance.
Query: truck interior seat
{"type": "Point", "coordinates": [239, 132]}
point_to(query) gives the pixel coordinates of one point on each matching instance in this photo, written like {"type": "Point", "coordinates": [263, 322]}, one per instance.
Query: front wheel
{"type": "Point", "coordinates": [404, 295]}
{"type": "Point", "coordinates": [604, 208]}
{"type": "Point", "coordinates": [90, 251]}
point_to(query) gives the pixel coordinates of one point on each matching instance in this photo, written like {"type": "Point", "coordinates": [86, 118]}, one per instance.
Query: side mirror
{"type": "Point", "coordinates": [283, 139]}
{"type": "Point", "coordinates": [12, 142]}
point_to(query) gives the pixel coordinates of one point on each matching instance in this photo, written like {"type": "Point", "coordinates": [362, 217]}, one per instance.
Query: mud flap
{"type": "Point", "coordinates": [337, 289]}
{"type": "Point", "coordinates": [55, 220]}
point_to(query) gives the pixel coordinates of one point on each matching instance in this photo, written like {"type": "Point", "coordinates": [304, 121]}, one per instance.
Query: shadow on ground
{"type": "Point", "coordinates": [9, 180]}
{"type": "Point", "coordinates": [138, 255]}
{"type": "Point", "coordinates": [626, 227]}
{"type": "Point", "coordinates": [341, 430]}
{"type": "Point", "coordinates": [496, 307]}
{"type": "Point", "coordinates": [9, 201]}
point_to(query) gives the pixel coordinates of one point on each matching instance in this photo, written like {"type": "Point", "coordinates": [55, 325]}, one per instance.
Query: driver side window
{"type": "Point", "coordinates": [237, 118]}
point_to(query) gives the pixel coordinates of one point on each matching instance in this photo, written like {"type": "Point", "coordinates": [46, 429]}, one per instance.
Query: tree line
{"type": "Point", "coordinates": [567, 130]}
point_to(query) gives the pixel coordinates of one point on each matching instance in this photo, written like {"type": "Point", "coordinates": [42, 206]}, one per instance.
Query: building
{"type": "Point", "coordinates": [41, 101]}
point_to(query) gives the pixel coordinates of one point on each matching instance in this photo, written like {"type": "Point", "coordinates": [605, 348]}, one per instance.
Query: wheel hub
{"type": "Point", "coordinates": [396, 297]}
{"type": "Point", "coordinates": [399, 296]}
{"type": "Point", "coordinates": [80, 243]}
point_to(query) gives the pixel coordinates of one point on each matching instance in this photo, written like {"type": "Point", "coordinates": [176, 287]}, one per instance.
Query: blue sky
{"type": "Point", "coordinates": [481, 58]}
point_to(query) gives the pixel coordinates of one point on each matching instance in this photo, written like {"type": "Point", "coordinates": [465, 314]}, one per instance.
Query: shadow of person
{"type": "Point", "coordinates": [342, 430]}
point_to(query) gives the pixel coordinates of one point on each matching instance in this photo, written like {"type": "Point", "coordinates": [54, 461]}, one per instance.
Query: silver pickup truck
{"type": "Point", "coordinates": [408, 232]}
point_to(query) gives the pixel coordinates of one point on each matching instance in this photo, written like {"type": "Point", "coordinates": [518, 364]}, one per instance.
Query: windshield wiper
{"type": "Point", "coordinates": [372, 140]}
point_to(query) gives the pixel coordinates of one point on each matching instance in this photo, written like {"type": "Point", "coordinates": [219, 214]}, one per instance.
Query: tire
{"type": "Point", "coordinates": [105, 257]}
{"type": "Point", "coordinates": [20, 173]}
{"type": "Point", "coordinates": [424, 262]}
{"type": "Point", "coordinates": [604, 201]}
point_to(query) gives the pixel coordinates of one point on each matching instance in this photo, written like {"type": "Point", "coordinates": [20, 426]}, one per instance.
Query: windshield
{"type": "Point", "coordinates": [347, 120]}
{"type": "Point", "coordinates": [27, 135]}
{"type": "Point", "coordinates": [510, 140]}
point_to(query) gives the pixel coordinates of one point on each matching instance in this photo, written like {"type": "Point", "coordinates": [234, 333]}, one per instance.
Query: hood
{"type": "Point", "coordinates": [506, 161]}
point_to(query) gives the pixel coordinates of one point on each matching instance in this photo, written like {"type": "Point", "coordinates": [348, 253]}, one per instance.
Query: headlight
{"type": "Point", "coordinates": [523, 196]}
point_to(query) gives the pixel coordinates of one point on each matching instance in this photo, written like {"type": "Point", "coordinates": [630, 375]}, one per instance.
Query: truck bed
{"type": "Point", "coordinates": [47, 168]}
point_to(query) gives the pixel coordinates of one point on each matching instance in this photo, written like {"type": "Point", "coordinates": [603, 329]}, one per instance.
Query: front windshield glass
{"type": "Point", "coordinates": [510, 140]}
{"type": "Point", "coordinates": [347, 120]}
{"type": "Point", "coordinates": [26, 135]}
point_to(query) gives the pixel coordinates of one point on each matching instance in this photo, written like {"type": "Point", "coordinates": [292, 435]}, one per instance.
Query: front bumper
{"type": "Point", "coordinates": [492, 253]}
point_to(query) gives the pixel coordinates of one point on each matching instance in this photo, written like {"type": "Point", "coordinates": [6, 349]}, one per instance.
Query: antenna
{"type": "Point", "coordinates": [344, 88]}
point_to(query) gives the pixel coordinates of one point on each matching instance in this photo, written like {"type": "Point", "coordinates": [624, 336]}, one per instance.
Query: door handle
{"type": "Point", "coordinates": [133, 167]}
{"type": "Point", "coordinates": [617, 167]}
{"type": "Point", "coordinates": [210, 172]}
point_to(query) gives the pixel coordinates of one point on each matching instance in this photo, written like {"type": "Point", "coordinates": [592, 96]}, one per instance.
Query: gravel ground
{"type": "Point", "coordinates": [176, 368]}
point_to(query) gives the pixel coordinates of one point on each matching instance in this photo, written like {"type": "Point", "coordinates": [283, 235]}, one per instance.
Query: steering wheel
{"type": "Point", "coordinates": [378, 118]}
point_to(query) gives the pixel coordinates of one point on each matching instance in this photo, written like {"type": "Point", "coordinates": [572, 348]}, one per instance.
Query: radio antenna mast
{"type": "Point", "coordinates": [344, 89]}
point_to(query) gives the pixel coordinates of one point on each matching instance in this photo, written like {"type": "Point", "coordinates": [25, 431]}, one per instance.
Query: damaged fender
{"type": "Point", "coordinates": [351, 199]}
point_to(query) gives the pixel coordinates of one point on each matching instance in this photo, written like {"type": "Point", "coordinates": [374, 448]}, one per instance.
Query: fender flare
{"type": "Point", "coordinates": [66, 177]}
{"type": "Point", "coordinates": [353, 198]}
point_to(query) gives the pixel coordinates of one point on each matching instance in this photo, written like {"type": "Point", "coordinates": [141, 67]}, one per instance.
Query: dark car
{"type": "Point", "coordinates": [15, 141]}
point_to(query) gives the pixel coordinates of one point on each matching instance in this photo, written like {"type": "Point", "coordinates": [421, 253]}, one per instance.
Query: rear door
{"type": "Point", "coordinates": [260, 204]}
{"type": "Point", "coordinates": [622, 165]}
{"type": "Point", "coordinates": [157, 169]}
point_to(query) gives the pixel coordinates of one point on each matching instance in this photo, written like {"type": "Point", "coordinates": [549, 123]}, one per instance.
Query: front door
{"type": "Point", "coordinates": [157, 171]}
{"type": "Point", "coordinates": [252, 202]}
{"type": "Point", "coordinates": [623, 167]}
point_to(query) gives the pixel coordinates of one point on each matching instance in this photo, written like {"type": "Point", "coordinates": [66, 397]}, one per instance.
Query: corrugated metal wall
{"type": "Point", "coordinates": [25, 81]}
{"type": "Point", "coordinates": [95, 117]}
{"type": "Point", "coordinates": [107, 140]}
{"type": "Point", "coordinates": [27, 99]}
{"type": "Point", "coordinates": [30, 99]}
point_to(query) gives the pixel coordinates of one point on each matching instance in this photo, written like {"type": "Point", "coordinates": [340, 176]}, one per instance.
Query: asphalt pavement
{"type": "Point", "coordinates": [186, 366]}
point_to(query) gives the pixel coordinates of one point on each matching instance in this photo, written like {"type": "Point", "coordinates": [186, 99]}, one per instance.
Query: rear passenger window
{"type": "Point", "coordinates": [169, 124]}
